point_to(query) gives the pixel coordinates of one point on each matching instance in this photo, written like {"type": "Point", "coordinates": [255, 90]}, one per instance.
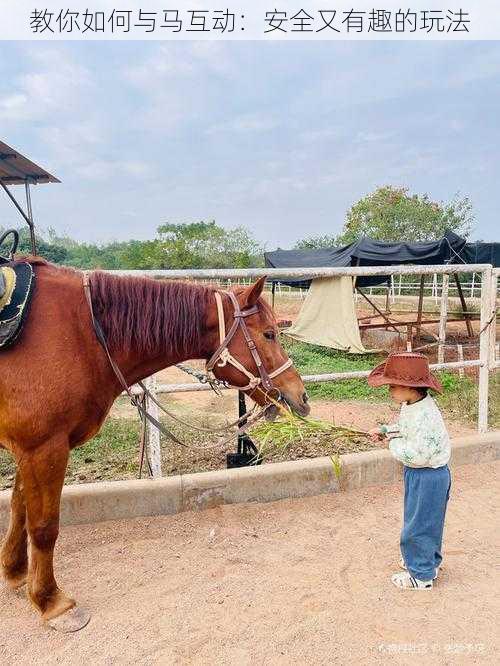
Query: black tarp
{"type": "Point", "coordinates": [482, 253]}
{"type": "Point", "coordinates": [368, 252]}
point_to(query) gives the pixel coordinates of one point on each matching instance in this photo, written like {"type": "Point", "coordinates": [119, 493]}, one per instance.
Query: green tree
{"type": "Point", "coordinates": [51, 251]}
{"type": "Point", "coordinates": [314, 242]}
{"type": "Point", "coordinates": [196, 245]}
{"type": "Point", "coordinates": [207, 245]}
{"type": "Point", "coordinates": [393, 214]}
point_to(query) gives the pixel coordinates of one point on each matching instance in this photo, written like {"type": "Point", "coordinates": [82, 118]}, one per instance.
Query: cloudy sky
{"type": "Point", "coordinates": [280, 137]}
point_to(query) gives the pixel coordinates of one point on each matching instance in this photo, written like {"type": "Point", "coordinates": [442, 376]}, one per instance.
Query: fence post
{"type": "Point", "coordinates": [442, 317]}
{"type": "Point", "coordinates": [460, 353]}
{"type": "Point", "coordinates": [493, 314]}
{"type": "Point", "coordinates": [152, 432]}
{"type": "Point", "coordinates": [484, 349]}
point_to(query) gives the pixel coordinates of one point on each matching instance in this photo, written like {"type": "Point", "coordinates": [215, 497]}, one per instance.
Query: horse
{"type": "Point", "coordinates": [57, 387]}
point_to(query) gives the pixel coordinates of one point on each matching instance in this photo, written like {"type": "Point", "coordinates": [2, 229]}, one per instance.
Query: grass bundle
{"type": "Point", "coordinates": [277, 436]}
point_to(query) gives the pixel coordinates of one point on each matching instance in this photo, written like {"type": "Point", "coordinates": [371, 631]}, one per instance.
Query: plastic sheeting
{"type": "Point", "coordinates": [328, 316]}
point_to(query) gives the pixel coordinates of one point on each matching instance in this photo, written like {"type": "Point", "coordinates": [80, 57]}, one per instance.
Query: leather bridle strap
{"type": "Point", "coordinates": [222, 356]}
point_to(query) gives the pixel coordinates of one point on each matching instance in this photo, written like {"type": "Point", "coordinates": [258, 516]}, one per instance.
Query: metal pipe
{"type": "Point", "coordinates": [307, 379]}
{"type": "Point", "coordinates": [30, 215]}
{"type": "Point", "coordinates": [305, 273]}
{"type": "Point", "coordinates": [14, 201]}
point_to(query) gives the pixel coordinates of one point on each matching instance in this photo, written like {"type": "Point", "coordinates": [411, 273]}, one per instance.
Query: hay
{"type": "Point", "coordinates": [277, 436]}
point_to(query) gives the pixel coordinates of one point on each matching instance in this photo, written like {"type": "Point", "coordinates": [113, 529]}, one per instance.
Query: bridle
{"type": "Point", "coordinates": [222, 356]}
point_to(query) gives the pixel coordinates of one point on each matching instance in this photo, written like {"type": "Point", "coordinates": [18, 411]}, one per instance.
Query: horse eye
{"type": "Point", "coordinates": [270, 335]}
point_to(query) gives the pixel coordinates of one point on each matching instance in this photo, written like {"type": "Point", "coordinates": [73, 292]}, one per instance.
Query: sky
{"type": "Point", "coordinates": [279, 137]}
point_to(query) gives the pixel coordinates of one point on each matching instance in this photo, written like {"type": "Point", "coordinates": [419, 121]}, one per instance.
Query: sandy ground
{"type": "Point", "coordinates": [292, 582]}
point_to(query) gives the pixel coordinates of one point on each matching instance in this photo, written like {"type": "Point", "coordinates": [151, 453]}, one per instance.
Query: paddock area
{"type": "Point", "coordinates": [295, 581]}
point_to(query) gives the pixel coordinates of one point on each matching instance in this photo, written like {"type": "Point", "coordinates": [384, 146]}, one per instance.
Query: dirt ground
{"type": "Point", "coordinates": [291, 582]}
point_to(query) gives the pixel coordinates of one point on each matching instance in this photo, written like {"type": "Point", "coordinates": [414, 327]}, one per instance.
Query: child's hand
{"type": "Point", "coordinates": [375, 434]}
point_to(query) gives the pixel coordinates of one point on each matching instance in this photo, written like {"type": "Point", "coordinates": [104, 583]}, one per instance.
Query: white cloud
{"type": "Point", "coordinates": [246, 123]}
{"type": "Point", "coordinates": [12, 106]}
{"type": "Point", "coordinates": [99, 170]}
{"type": "Point", "coordinates": [52, 84]}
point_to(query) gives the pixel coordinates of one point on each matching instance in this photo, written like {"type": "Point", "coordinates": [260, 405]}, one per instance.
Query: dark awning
{"type": "Point", "coordinates": [368, 252]}
{"type": "Point", "coordinates": [482, 253]}
{"type": "Point", "coordinates": [15, 169]}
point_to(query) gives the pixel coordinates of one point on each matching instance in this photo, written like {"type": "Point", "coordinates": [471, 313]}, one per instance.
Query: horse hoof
{"type": "Point", "coordinates": [73, 620]}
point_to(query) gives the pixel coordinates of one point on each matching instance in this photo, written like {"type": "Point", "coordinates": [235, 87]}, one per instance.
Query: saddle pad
{"type": "Point", "coordinates": [19, 282]}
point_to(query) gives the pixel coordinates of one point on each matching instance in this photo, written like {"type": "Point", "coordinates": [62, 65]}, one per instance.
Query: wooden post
{"type": "Point", "coordinates": [493, 315]}
{"type": "Point", "coordinates": [409, 337]}
{"type": "Point", "coordinates": [419, 312]}
{"type": "Point", "coordinates": [470, 330]}
{"type": "Point", "coordinates": [442, 318]}
{"type": "Point", "coordinates": [152, 433]}
{"type": "Point", "coordinates": [484, 349]}
{"type": "Point", "coordinates": [460, 353]}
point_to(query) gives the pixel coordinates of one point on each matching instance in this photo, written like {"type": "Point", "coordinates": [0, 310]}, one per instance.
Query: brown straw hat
{"type": "Point", "coordinates": [405, 369]}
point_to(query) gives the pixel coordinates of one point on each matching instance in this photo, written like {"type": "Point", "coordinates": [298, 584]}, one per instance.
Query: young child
{"type": "Point", "coordinates": [420, 441]}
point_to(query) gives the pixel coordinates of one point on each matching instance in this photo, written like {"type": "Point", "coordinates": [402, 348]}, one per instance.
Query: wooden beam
{"type": "Point", "coordinates": [382, 314]}
{"type": "Point", "coordinates": [470, 330]}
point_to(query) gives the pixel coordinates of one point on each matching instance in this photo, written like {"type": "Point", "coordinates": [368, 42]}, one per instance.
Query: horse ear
{"type": "Point", "coordinates": [252, 293]}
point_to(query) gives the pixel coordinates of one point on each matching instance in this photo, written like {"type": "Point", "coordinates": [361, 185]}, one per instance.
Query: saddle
{"type": "Point", "coordinates": [16, 287]}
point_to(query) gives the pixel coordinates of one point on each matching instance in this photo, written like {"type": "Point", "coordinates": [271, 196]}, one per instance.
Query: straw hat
{"type": "Point", "coordinates": [405, 369]}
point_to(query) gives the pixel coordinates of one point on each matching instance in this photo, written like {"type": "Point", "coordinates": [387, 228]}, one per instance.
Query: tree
{"type": "Point", "coordinates": [392, 214]}
{"type": "Point", "coordinates": [206, 245]}
{"type": "Point", "coordinates": [53, 252]}
{"type": "Point", "coordinates": [313, 242]}
{"type": "Point", "coordinates": [195, 245]}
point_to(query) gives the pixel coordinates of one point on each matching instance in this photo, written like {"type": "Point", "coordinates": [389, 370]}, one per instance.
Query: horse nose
{"type": "Point", "coordinates": [305, 397]}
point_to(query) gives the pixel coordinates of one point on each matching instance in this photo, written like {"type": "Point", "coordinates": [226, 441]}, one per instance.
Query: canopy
{"type": "Point", "coordinates": [367, 252]}
{"type": "Point", "coordinates": [15, 169]}
{"type": "Point", "coordinates": [482, 253]}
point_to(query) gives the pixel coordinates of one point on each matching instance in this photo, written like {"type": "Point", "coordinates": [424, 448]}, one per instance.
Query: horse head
{"type": "Point", "coordinates": [247, 352]}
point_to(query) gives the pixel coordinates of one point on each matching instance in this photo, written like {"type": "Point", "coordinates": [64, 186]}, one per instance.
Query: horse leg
{"type": "Point", "coordinates": [14, 553]}
{"type": "Point", "coordinates": [43, 472]}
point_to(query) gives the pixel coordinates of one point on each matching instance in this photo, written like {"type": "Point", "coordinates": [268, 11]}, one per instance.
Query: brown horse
{"type": "Point", "coordinates": [57, 386]}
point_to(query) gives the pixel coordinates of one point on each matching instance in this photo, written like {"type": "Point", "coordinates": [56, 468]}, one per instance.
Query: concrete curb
{"type": "Point", "coordinates": [111, 500]}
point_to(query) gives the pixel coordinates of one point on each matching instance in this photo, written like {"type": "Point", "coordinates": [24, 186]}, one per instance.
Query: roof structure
{"type": "Point", "coordinates": [15, 169]}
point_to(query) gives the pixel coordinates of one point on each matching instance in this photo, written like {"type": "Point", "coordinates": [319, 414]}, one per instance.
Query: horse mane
{"type": "Point", "coordinates": [149, 316]}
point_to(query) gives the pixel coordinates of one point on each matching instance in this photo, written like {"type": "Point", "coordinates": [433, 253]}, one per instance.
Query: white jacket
{"type": "Point", "coordinates": [420, 438]}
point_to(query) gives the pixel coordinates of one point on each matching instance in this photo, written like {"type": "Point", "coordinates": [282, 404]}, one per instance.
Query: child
{"type": "Point", "coordinates": [420, 441]}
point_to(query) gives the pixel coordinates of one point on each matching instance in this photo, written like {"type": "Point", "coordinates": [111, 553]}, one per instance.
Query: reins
{"type": "Point", "coordinates": [221, 357]}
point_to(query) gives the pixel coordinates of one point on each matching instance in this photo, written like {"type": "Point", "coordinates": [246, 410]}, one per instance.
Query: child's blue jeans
{"type": "Point", "coordinates": [427, 491]}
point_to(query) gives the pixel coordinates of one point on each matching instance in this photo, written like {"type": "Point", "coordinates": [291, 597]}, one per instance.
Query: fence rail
{"type": "Point", "coordinates": [487, 289]}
